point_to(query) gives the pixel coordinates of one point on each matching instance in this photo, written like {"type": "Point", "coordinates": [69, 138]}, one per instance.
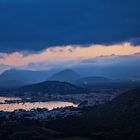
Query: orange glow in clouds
{"type": "Point", "coordinates": [66, 53]}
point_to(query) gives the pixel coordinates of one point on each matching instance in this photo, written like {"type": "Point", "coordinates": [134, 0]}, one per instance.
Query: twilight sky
{"type": "Point", "coordinates": [45, 34]}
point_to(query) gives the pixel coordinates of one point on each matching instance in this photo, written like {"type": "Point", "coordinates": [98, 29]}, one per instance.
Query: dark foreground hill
{"type": "Point", "coordinates": [123, 111]}
{"type": "Point", "coordinates": [119, 119]}
{"type": "Point", "coordinates": [53, 87]}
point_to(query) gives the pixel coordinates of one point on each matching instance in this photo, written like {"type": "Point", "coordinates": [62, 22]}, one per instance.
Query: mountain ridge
{"type": "Point", "coordinates": [24, 76]}
{"type": "Point", "coordinates": [53, 87]}
{"type": "Point", "coordinates": [66, 75]}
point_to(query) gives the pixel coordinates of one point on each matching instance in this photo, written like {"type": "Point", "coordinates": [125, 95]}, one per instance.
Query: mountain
{"type": "Point", "coordinates": [93, 80]}
{"type": "Point", "coordinates": [66, 75]}
{"type": "Point", "coordinates": [11, 84]}
{"type": "Point", "coordinates": [23, 76]}
{"type": "Point", "coordinates": [120, 117]}
{"type": "Point", "coordinates": [103, 82]}
{"type": "Point", "coordinates": [126, 103]}
{"type": "Point", "coordinates": [52, 87]}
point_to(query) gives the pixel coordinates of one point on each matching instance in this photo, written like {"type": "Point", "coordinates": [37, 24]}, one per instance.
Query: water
{"type": "Point", "coordinates": [9, 107]}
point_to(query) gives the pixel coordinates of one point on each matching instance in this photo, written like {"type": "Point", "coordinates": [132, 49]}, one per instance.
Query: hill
{"type": "Point", "coordinates": [66, 75]}
{"type": "Point", "coordinates": [93, 80]}
{"type": "Point", "coordinates": [118, 119]}
{"type": "Point", "coordinates": [22, 76]}
{"type": "Point", "coordinates": [103, 82]}
{"type": "Point", "coordinates": [53, 87]}
{"type": "Point", "coordinates": [11, 84]}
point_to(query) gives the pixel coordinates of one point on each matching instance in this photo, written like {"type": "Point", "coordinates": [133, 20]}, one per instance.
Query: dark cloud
{"type": "Point", "coordinates": [35, 25]}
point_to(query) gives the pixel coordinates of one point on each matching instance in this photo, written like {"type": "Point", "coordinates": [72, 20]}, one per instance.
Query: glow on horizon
{"type": "Point", "coordinates": [68, 53]}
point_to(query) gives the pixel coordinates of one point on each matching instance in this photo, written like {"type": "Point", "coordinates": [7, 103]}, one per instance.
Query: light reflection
{"type": "Point", "coordinates": [29, 105]}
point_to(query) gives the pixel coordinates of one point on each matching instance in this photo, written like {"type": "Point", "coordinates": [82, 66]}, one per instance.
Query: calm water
{"type": "Point", "coordinates": [29, 105]}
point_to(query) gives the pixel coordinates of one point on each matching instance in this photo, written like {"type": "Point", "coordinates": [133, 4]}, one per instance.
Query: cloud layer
{"type": "Point", "coordinates": [35, 25]}
{"type": "Point", "coordinates": [64, 54]}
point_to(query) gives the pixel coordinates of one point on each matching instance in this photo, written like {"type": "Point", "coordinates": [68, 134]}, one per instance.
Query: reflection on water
{"type": "Point", "coordinates": [29, 105]}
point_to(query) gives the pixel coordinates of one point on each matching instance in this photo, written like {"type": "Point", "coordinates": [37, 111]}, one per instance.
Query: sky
{"type": "Point", "coordinates": [46, 34]}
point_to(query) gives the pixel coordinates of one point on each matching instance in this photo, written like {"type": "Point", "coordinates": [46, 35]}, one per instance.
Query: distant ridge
{"type": "Point", "coordinates": [11, 84]}
{"type": "Point", "coordinates": [93, 80]}
{"type": "Point", "coordinates": [103, 82]}
{"type": "Point", "coordinates": [53, 87]}
{"type": "Point", "coordinates": [66, 75]}
{"type": "Point", "coordinates": [23, 77]}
